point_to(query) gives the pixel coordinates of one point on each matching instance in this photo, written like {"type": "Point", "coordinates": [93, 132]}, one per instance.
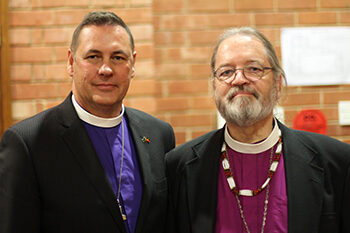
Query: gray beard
{"type": "Point", "coordinates": [246, 110]}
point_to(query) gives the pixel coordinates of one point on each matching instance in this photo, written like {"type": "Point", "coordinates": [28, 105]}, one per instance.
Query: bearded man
{"type": "Point", "coordinates": [255, 174]}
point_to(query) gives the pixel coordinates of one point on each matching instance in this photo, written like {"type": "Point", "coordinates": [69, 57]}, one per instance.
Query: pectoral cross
{"type": "Point", "coordinates": [121, 210]}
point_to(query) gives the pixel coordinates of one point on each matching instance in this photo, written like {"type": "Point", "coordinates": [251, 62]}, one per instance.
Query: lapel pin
{"type": "Point", "coordinates": [145, 139]}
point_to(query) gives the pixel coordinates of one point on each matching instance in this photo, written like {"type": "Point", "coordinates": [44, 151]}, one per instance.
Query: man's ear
{"type": "Point", "coordinates": [279, 86]}
{"type": "Point", "coordinates": [70, 63]}
{"type": "Point", "coordinates": [132, 72]}
{"type": "Point", "coordinates": [133, 65]}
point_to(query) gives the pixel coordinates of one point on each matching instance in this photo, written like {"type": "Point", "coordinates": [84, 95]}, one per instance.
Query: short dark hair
{"type": "Point", "coordinates": [99, 18]}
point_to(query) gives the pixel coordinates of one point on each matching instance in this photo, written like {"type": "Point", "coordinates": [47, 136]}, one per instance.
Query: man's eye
{"type": "Point", "coordinates": [91, 57]}
{"type": "Point", "coordinates": [226, 73]}
{"type": "Point", "coordinates": [253, 69]}
{"type": "Point", "coordinates": [119, 58]}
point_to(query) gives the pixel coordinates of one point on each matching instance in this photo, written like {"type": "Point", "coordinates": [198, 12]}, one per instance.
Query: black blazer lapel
{"type": "Point", "coordinates": [77, 139]}
{"type": "Point", "coordinates": [201, 176]}
{"type": "Point", "coordinates": [304, 184]}
{"type": "Point", "coordinates": [142, 150]}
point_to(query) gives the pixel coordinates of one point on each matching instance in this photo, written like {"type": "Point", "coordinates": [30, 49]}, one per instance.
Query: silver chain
{"type": "Point", "coordinates": [265, 205]}
{"type": "Point", "coordinates": [120, 174]}
{"type": "Point", "coordinates": [264, 215]}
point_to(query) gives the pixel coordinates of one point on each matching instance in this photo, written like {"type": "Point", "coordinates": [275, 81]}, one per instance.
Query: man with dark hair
{"type": "Point", "coordinates": [255, 174]}
{"type": "Point", "coordinates": [88, 165]}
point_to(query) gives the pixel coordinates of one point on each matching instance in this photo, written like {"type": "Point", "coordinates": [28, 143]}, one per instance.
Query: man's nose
{"type": "Point", "coordinates": [238, 78]}
{"type": "Point", "coordinates": [105, 70]}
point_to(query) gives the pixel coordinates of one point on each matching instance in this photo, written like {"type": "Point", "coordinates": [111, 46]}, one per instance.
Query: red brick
{"type": "Point", "coordinates": [20, 36]}
{"type": "Point", "coordinates": [22, 109]}
{"type": "Point", "coordinates": [204, 37]}
{"type": "Point", "coordinates": [70, 17]}
{"type": "Point", "coordinates": [168, 6]}
{"type": "Point", "coordinates": [81, 3]}
{"type": "Point", "coordinates": [345, 17]}
{"type": "Point", "coordinates": [337, 130]}
{"type": "Point", "coordinates": [64, 88]}
{"type": "Point", "coordinates": [302, 99]}
{"type": "Point", "coordinates": [171, 104]}
{"type": "Point", "coordinates": [253, 5]}
{"type": "Point", "coordinates": [37, 36]}
{"type": "Point", "coordinates": [59, 3]}
{"type": "Point", "coordinates": [31, 54]}
{"type": "Point", "coordinates": [289, 116]}
{"type": "Point", "coordinates": [229, 20]}
{"type": "Point", "coordinates": [201, 21]}
{"type": "Point", "coordinates": [272, 34]}
{"type": "Point", "coordinates": [335, 96]}
{"type": "Point", "coordinates": [197, 134]}
{"type": "Point", "coordinates": [31, 18]}
{"type": "Point", "coordinates": [64, 3]}
{"type": "Point", "coordinates": [188, 86]}
{"type": "Point", "coordinates": [144, 87]}
{"type": "Point", "coordinates": [331, 114]}
{"type": "Point", "coordinates": [56, 35]}
{"type": "Point", "coordinates": [190, 120]}
{"type": "Point", "coordinates": [334, 3]}
{"type": "Point", "coordinates": [296, 4]}
{"type": "Point", "coordinates": [40, 105]}
{"type": "Point", "coordinates": [171, 54]}
{"type": "Point", "coordinates": [172, 70]}
{"type": "Point", "coordinates": [144, 69]}
{"type": "Point", "coordinates": [21, 72]}
{"type": "Point", "coordinates": [196, 54]}
{"type": "Point", "coordinates": [274, 19]}
{"type": "Point", "coordinates": [61, 53]}
{"type": "Point", "coordinates": [174, 22]}
{"type": "Point", "coordinates": [207, 5]}
{"type": "Point", "coordinates": [147, 104]}
{"type": "Point", "coordinates": [34, 91]}
{"type": "Point", "coordinates": [158, 55]}
{"type": "Point", "coordinates": [206, 102]}
{"type": "Point", "coordinates": [180, 136]}
{"type": "Point", "coordinates": [201, 70]}
{"type": "Point", "coordinates": [108, 3]}
{"type": "Point", "coordinates": [19, 4]}
{"type": "Point", "coordinates": [166, 38]}
{"type": "Point", "coordinates": [50, 72]}
{"type": "Point", "coordinates": [157, 22]}
{"type": "Point", "coordinates": [144, 50]}
{"type": "Point", "coordinates": [134, 15]}
{"type": "Point", "coordinates": [36, 3]}
{"type": "Point", "coordinates": [135, 3]}
{"type": "Point", "coordinates": [317, 17]}
{"type": "Point", "coordinates": [142, 32]}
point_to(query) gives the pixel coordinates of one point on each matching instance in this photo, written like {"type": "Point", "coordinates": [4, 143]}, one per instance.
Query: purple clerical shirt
{"type": "Point", "coordinates": [108, 145]}
{"type": "Point", "coordinates": [250, 172]}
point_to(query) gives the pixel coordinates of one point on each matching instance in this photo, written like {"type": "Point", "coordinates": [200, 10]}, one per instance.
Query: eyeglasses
{"type": "Point", "coordinates": [252, 72]}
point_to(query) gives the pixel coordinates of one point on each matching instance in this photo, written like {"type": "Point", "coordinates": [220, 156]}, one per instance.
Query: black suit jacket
{"type": "Point", "coordinates": [317, 170]}
{"type": "Point", "coordinates": [51, 179]}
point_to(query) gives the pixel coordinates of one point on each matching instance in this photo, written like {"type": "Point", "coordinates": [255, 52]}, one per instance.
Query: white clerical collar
{"type": "Point", "coordinates": [253, 148]}
{"type": "Point", "coordinates": [95, 120]}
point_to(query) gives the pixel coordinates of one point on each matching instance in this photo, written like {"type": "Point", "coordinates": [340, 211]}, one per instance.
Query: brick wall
{"type": "Point", "coordinates": [174, 41]}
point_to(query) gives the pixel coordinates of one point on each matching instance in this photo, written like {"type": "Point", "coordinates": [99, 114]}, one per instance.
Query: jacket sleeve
{"type": "Point", "coordinates": [345, 223]}
{"type": "Point", "coordinates": [19, 198]}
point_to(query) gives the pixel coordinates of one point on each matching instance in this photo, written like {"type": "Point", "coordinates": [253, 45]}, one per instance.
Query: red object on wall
{"type": "Point", "coordinates": [311, 120]}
